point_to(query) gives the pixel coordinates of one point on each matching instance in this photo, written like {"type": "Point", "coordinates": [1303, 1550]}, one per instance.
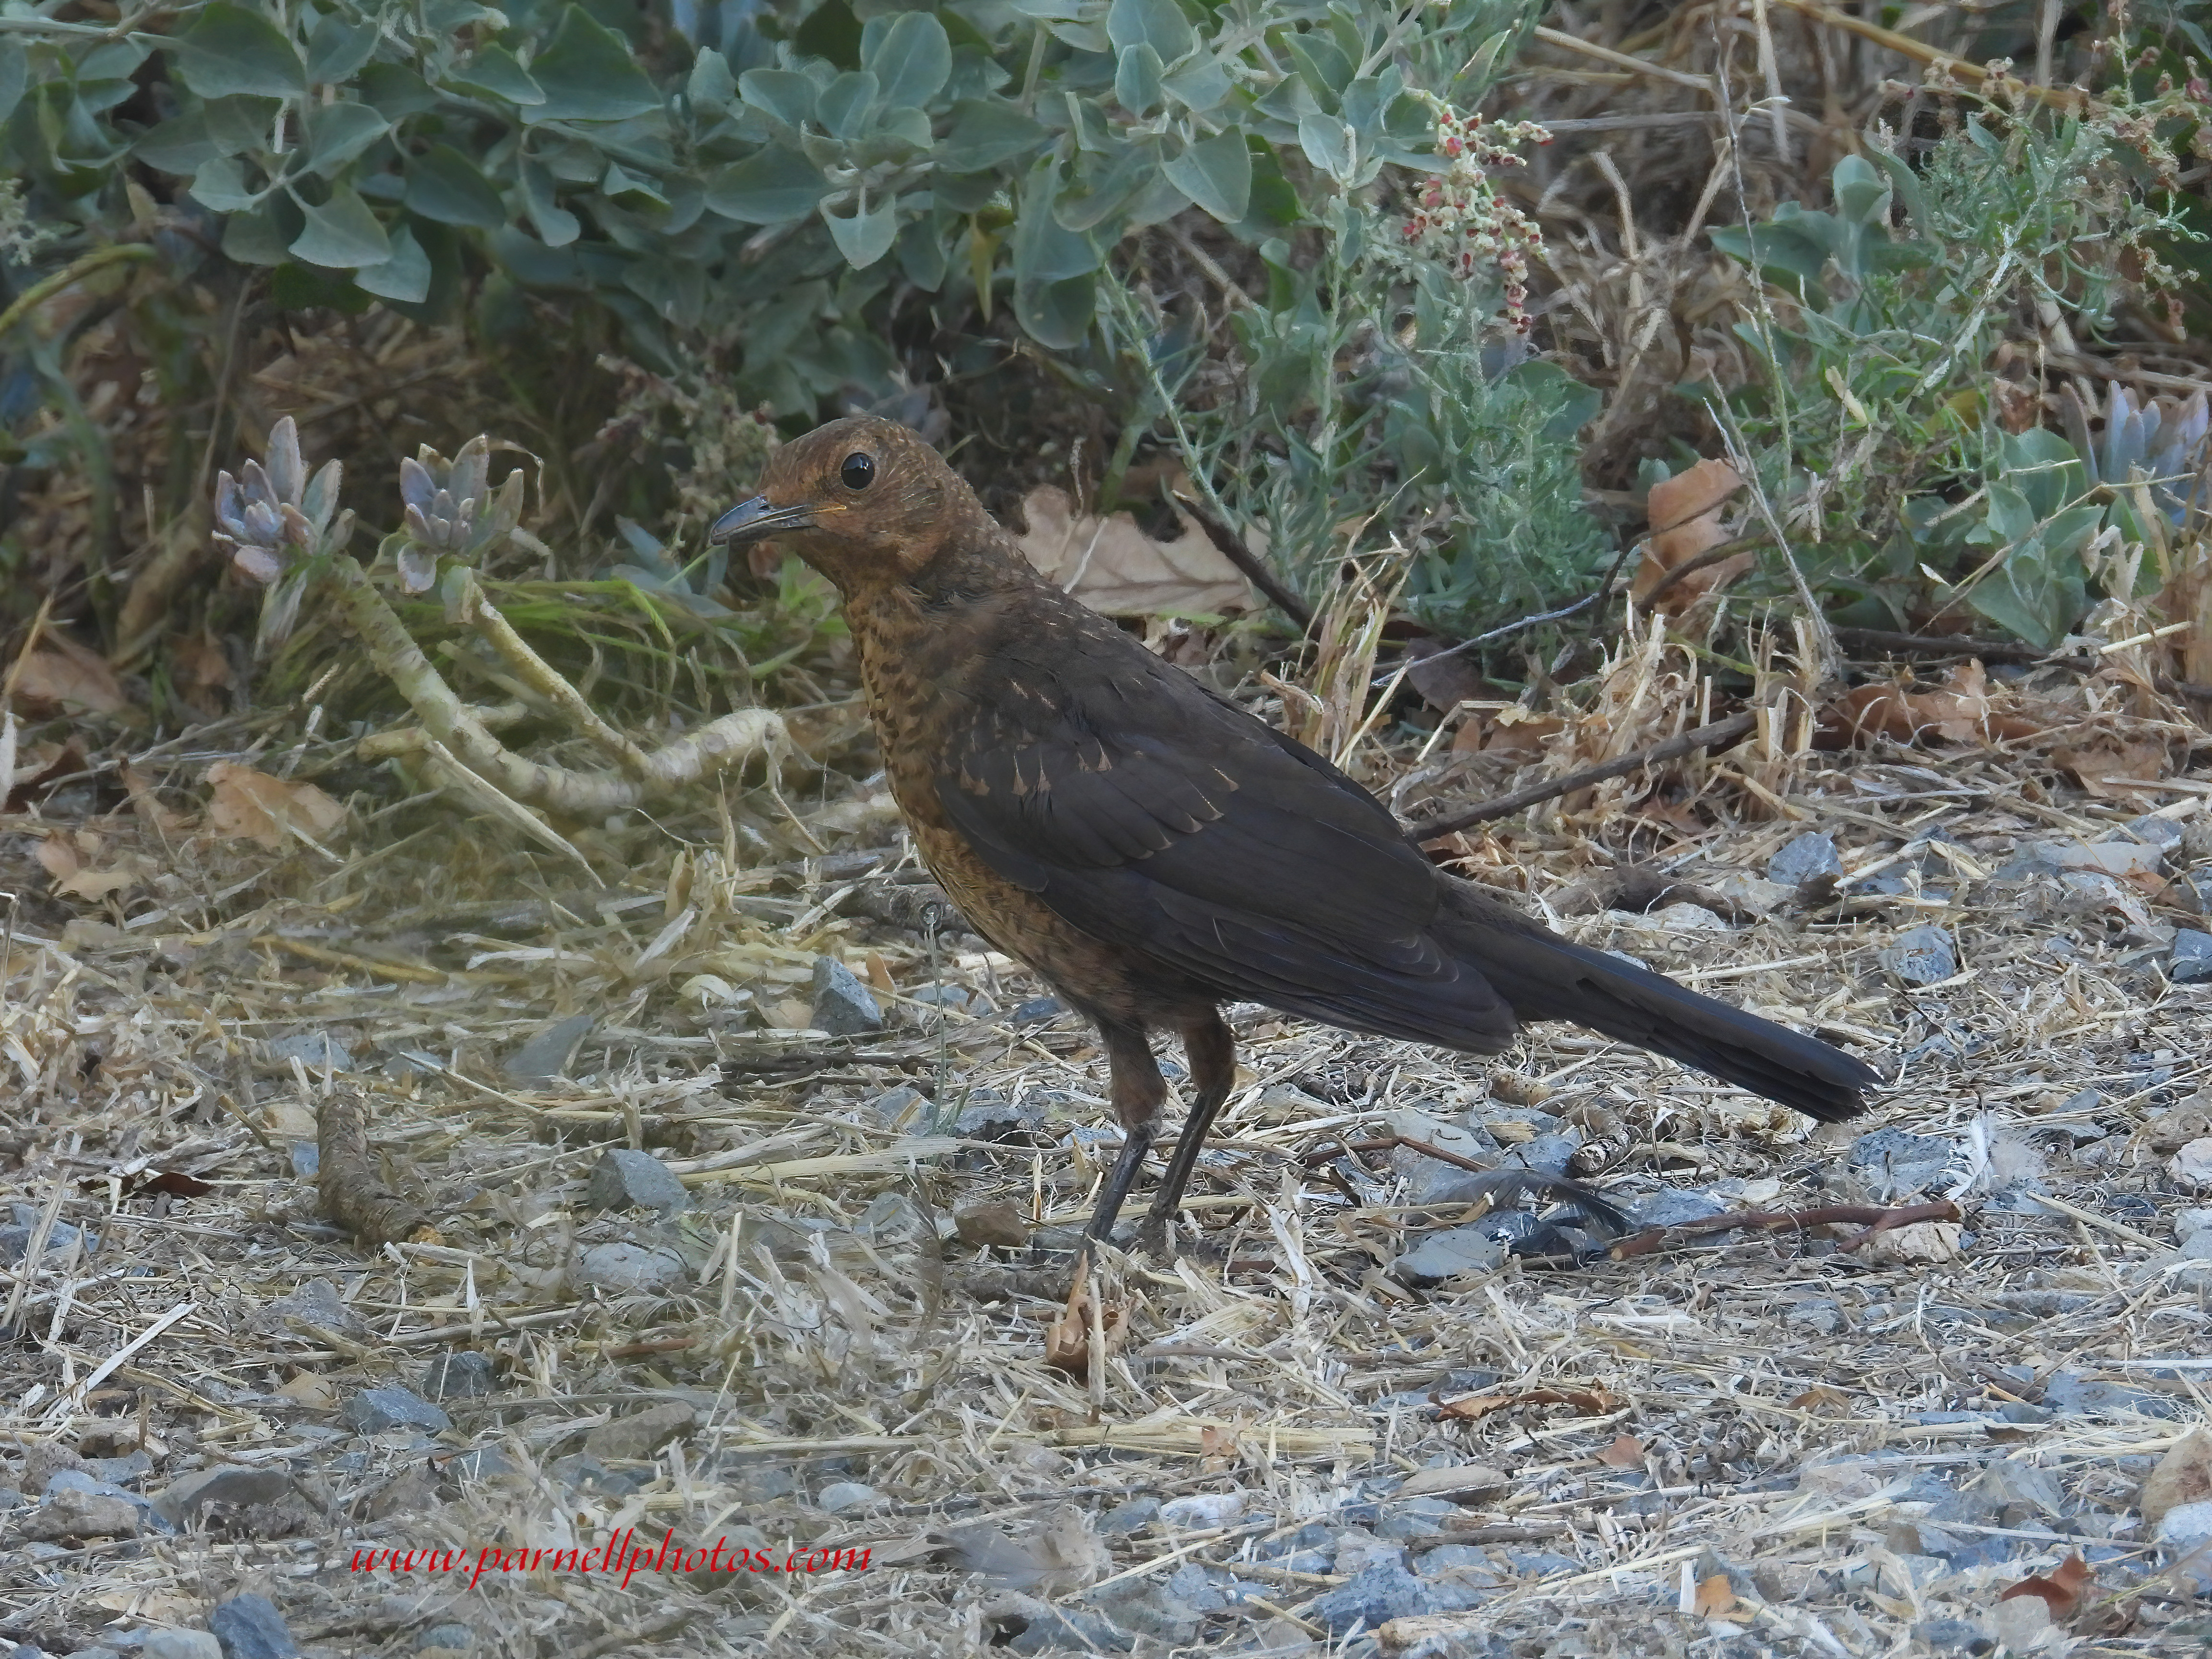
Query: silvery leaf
{"type": "Point", "coordinates": [321, 499]}
{"type": "Point", "coordinates": [256, 564]}
{"type": "Point", "coordinates": [229, 504]}
{"type": "Point", "coordinates": [416, 486]}
{"type": "Point", "coordinates": [418, 569]}
{"type": "Point", "coordinates": [471, 468]}
{"type": "Point", "coordinates": [286, 471]}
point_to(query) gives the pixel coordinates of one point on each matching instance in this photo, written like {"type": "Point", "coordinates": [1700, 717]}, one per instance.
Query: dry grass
{"type": "Point", "coordinates": [1767, 1404]}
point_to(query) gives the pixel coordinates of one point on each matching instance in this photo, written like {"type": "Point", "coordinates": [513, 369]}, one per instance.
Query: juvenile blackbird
{"type": "Point", "coordinates": [1153, 851]}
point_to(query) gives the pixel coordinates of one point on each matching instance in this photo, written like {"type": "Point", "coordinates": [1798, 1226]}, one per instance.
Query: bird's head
{"type": "Point", "coordinates": [862, 499]}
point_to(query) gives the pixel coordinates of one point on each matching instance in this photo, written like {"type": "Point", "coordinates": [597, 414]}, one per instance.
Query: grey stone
{"type": "Point", "coordinates": [228, 1483]}
{"type": "Point", "coordinates": [445, 1638]}
{"type": "Point", "coordinates": [893, 1219]}
{"type": "Point", "coordinates": [2159, 832]}
{"type": "Point", "coordinates": [902, 1108]}
{"type": "Point", "coordinates": [481, 1464]}
{"type": "Point", "coordinates": [2192, 893]}
{"type": "Point", "coordinates": [1671, 1206]}
{"type": "Point", "coordinates": [15, 1241]}
{"type": "Point", "coordinates": [1803, 857]}
{"type": "Point", "coordinates": [1430, 1180]}
{"type": "Point", "coordinates": [1895, 1164]}
{"type": "Point", "coordinates": [2186, 1526]}
{"type": "Point", "coordinates": [67, 1512]}
{"type": "Point", "coordinates": [839, 1496]}
{"type": "Point", "coordinates": [625, 1180]}
{"type": "Point", "coordinates": [1142, 1609]}
{"type": "Point", "coordinates": [1920, 956]}
{"type": "Point", "coordinates": [120, 1470]}
{"type": "Point", "coordinates": [1125, 1518]}
{"type": "Point", "coordinates": [307, 1164]}
{"type": "Point", "coordinates": [1953, 1636]}
{"type": "Point", "coordinates": [1465, 1561]}
{"type": "Point", "coordinates": [181, 1645]}
{"type": "Point", "coordinates": [632, 1268]}
{"type": "Point", "coordinates": [843, 1007]}
{"type": "Point", "coordinates": [634, 1438]}
{"type": "Point", "coordinates": [317, 1050]}
{"type": "Point", "coordinates": [250, 1627]}
{"type": "Point", "coordinates": [151, 1519]}
{"type": "Point", "coordinates": [2194, 1219]}
{"type": "Point", "coordinates": [2198, 1247]}
{"type": "Point", "coordinates": [372, 1410]}
{"type": "Point", "coordinates": [1549, 1154]}
{"type": "Point", "coordinates": [1037, 1011]}
{"type": "Point", "coordinates": [1447, 1255]}
{"type": "Point", "coordinates": [957, 999]}
{"type": "Point", "coordinates": [317, 1304]}
{"type": "Point", "coordinates": [466, 1374]}
{"type": "Point", "coordinates": [989, 1115]}
{"type": "Point", "coordinates": [546, 1053]}
{"type": "Point", "coordinates": [1413, 1518]}
{"type": "Point", "coordinates": [2191, 963]}
{"type": "Point", "coordinates": [1376, 1595]}
{"type": "Point", "coordinates": [579, 1473]}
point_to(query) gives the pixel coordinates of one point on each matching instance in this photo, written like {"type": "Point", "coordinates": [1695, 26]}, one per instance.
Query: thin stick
{"type": "Point", "coordinates": [1231, 547]}
{"type": "Point", "coordinates": [1718, 735]}
{"type": "Point", "coordinates": [1875, 1219]}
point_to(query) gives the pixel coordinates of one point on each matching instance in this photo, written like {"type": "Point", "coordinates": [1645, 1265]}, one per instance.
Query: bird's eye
{"type": "Point", "coordinates": [858, 472]}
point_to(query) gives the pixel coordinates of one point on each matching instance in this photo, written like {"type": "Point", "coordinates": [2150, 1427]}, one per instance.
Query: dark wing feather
{"type": "Point", "coordinates": [1152, 815]}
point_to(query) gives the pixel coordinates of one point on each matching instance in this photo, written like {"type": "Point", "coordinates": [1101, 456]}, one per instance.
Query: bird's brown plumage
{"type": "Point", "coordinates": [1152, 850]}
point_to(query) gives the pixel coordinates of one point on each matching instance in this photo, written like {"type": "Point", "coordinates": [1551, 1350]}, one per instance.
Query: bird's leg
{"type": "Point", "coordinates": [1210, 1048]}
{"type": "Point", "coordinates": [1139, 1091]}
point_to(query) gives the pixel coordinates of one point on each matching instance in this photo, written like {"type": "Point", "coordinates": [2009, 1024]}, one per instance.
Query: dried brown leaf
{"type": "Point", "coordinates": [2062, 1588]}
{"type": "Point", "coordinates": [62, 676]}
{"type": "Point", "coordinates": [1588, 1402]}
{"type": "Point", "coordinates": [1686, 517]}
{"type": "Point", "coordinates": [250, 806]}
{"type": "Point", "coordinates": [1113, 567]}
{"type": "Point", "coordinates": [2183, 1475]}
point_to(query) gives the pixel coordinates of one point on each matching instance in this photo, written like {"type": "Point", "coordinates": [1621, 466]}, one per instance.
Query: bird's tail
{"type": "Point", "coordinates": [1545, 977]}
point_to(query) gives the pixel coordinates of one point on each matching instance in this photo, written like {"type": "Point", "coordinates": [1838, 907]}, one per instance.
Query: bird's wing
{"type": "Point", "coordinates": [1153, 815]}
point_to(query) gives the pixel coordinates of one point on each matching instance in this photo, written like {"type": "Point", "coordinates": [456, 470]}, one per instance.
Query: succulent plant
{"type": "Point", "coordinates": [273, 505]}
{"type": "Point", "coordinates": [451, 508]}
{"type": "Point", "coordinates": [2158, 440]}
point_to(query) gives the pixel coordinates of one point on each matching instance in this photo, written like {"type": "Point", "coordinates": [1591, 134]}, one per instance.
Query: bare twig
{"type": "Point", "coordinates": [1231, 547]}
{"type": "Point", "coordinates": [1873, 1218]}
{"type": "Point", "coordinates": [1718, 735]}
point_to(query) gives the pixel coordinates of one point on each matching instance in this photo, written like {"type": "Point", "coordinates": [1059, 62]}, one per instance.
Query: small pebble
{"type": "Point", "coordinates": [1920, 956]}
{"type": "Point", "coordinates": [372, 1410]}
{"type": "Point", "coordinates": [625, 1180]}
{"type": "Point", "coordinates": [1803, 857]}
{"type": "Point", "coordinates": [843, 1007]}
{"type": "Point", "coordinates": [250, 1627]}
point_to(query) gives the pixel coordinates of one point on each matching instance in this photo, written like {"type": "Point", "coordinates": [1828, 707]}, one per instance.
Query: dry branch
{"type": "Point", "coordinates": [1875, 1219]}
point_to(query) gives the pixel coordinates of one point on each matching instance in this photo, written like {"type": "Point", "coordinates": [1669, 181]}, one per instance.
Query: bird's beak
{"type": "Point", "coordinates": [757, 521]}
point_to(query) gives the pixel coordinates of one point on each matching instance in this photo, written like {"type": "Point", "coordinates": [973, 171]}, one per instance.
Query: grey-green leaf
{"type": "Point", "coordinates": [555, 223]}
{"type": "Point", "coordinates": [220, 184]}
{"type": "Point", "coordinates": [405, 276]}
{"type": "Point", "coordinates": [912, 61]}
{"type": "Point", "coordinates": [1160, 23]}
{"type": "Point", "coordinates": [1327, 144]}
{"type": "Point", "coordinates": [846, 103]}
{"type": "Point", "coordinates": [784, 95]}
{"type": "Point", "coordinates": [710, 86]}
{"type": "Point", "coordinates": [444, 185]}
{"type": "Point", "coordinates": [338, 132]}
{"type": "Point", "coordinates": [770, 187]}
{"type": "Point", "coordinates": [342, 233]}
{"type": "Point", "coordinates": [230, 50]}
{"type": "Point", "coordinates": [337, 49]}
{"type": "Point", "coordinates": [986, 133]}
{"type": "Point", "coordinates": [498, 73]}
{"type": "Point", "coordinates": [1217, 174]}
{"type": "Point", "coordinates": [866, 237]}
{"type": "Point", "coordinates": [1137, 76]}
{"type": "Point", "coordinates": [587, 74]}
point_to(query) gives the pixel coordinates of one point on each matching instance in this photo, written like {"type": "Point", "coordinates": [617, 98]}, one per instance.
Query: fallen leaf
{"type": "Point", "coordinates": [1820, 1397]}
{"type": "Point", "coordinates": [1512, 733]}
{"type": "Point", "coordinates": [62, 676]}
{"type": "Point", "coordinates": [1686, 519]}
{"type": "Point", "coordinates": [250, 806]}
{"type": "Point", "coordinates": [1965, 711]}
{"type": "Point", "coordinates": [1920, 1242]}
{"type": "Point", "coordinates": [201, 672]}
{"type": "Point", "coordinates": [1715, 1596]}
{"type": "Point", "coordinates": [1443, 676]}
{"type": "Point", "coordinates": [2061, 1589]}
{"type": "Point", "coordinates": [1460, 1478]}
{"type": "Point", "coordinates": [2183, 1475]}
{"type": "Point", "coordinates": [148, 804]}
{"type": "Point", "coordinates": [37, 768]}
{"type": "Point", "coordinates": [2094, 764]}
{"type": "Point", "coordinates": [1589, 1402]}
{"type": "Point", "coordinates": [1113, 567]}
{"type": "Point", "coordinates": [1626, 1452]}
{"type": "Point", "coordinates": [1067, 1339]}
{"type": "Point", "coordinates": [70, 859]}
